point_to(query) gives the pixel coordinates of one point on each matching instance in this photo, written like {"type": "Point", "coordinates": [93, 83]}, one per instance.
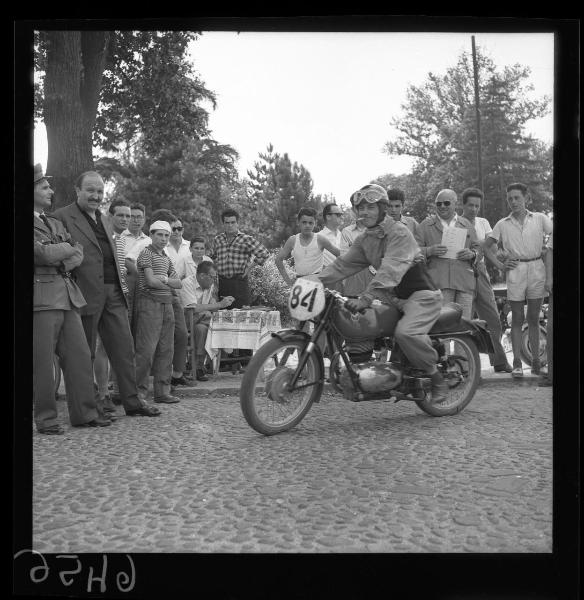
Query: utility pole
{"type": "Point", "coordinates": [478, 115]}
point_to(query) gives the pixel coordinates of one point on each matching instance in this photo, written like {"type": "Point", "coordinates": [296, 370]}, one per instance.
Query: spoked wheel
{"type": "Point", "coordinates": [525, 350]}
{"type": "Point", "coordinates": [266, 401]}
{"type": "Point", "coordinates": [461, 371]}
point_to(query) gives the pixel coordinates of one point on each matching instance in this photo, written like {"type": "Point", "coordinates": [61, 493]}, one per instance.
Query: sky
{"type": "Point", "coordinates": [327, 98]}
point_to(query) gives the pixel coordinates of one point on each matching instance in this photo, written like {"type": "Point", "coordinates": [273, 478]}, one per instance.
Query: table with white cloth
{"type": "Point", "coordinates": [231, 329]}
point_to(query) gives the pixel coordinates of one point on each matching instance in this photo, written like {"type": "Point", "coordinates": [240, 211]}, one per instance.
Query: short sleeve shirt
{"type": "Point", "coordinates": [523, 240]}
{"type": "Point", "coordinates": [160, 264]}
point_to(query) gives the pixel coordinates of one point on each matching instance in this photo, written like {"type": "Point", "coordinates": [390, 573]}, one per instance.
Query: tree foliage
{"type": "Point", "coordinates": [277, 189]}
{"type": "Point", "coordinates": [438, 129]}
{"type": "Point", "coordinates": [134, 98]}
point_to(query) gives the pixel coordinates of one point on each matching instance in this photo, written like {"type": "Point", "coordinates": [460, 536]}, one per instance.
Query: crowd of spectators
{"type": "Point", "coordinates": [116, 305]}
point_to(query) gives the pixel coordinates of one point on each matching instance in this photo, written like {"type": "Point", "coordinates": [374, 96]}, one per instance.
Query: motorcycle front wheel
{"type": "Point", "coordinates": [267, 404]}
{"type": "Point", "coordinates": [461, 371]}
{"type": "Point", "coordinates": [525, 350]}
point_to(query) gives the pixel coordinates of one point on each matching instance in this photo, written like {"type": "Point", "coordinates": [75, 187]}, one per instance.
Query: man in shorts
{"type": "Point", "coordinates": [522, 235]}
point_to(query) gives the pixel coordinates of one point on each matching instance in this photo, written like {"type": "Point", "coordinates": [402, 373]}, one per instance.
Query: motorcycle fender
{"type": "Point", "coordinates": [287, 335]}
{"type": "Point", "coordinates": [481, 335]}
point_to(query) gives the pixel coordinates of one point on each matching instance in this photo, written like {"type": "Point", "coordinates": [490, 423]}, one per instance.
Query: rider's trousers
{"type": "Point", "coordinates": [420, 311]}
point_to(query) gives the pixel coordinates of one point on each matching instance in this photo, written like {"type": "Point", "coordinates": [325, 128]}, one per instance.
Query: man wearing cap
{"type": "Point", "coordinates": [57, 325]}
{"type": "Point", "coordinates": [522, 235]}
{"type": "Point", "coordinates": [400, 280]}
{"type": "Point", "coordinates": [155, 315]}
{"type": "Point", "coordinates": [100, 280]}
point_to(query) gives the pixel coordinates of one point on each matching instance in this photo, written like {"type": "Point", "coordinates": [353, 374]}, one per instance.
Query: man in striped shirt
{"type": "Point", "coordinates": [234, 253]}
{"type": "Point", "coordinates": [119, 217]}
{"type": "Point", "coordinates": [155, 315]}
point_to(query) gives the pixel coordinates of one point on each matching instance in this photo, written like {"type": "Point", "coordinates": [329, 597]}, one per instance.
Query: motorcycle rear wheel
{"type": "Point", "coordinates": [462, 376]}
{"type": "Point", "coordinates": [268, 407]}
{"type": "Point", "coordinates": [525, 350]}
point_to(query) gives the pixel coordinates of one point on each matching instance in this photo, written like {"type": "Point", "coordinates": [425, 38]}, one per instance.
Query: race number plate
{"type": "Point", "coordinates": [306, 299]}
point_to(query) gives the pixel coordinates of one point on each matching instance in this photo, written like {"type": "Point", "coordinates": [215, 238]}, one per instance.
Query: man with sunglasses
{"type": "Point", "coordinates": [454, 276]}
{"type": "Point", "coordinates": [391, 249]}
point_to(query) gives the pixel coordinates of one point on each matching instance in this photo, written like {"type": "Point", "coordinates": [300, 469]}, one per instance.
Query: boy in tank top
{"type": "Point", "coordinates": [305, 247]}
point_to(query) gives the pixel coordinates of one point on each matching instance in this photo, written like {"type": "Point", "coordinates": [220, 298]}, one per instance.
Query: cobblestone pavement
{"type": "Point", "coordinates": [368, 477]}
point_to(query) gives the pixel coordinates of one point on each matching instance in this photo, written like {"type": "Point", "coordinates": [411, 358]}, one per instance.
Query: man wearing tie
{"type": "Point", "coordinates": [57, 325]}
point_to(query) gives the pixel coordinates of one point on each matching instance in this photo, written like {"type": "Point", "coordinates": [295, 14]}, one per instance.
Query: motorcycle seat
{"type": "Point", "coordinates": [450, 316]}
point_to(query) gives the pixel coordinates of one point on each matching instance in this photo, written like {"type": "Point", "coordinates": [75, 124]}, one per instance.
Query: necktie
{"type": "Point", "coordinates": [46, 222]}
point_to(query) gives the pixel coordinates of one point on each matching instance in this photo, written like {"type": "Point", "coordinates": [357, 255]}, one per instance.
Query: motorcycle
{"type": "Point", "coordinates": [287, 374]}
{"type": "Point", "coordinates": [504, 309]}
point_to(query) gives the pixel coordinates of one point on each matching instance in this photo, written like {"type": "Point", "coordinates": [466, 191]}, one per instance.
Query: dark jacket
{"type": "Point", "coordinates": [89, 274]}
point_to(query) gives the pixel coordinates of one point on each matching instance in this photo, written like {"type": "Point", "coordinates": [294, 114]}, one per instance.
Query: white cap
{"type": "Point", "coordinates": [160, 225]}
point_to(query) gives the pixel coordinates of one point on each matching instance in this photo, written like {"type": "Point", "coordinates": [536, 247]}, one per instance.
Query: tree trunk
{"type": "Point", "coordinates": [75, 63]}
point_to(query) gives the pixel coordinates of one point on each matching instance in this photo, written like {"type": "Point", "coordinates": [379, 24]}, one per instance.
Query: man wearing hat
{"type": "Point", "coordinates": [100, 280]}
{"type": "Point", "coordinates": [57, 325]}
{"type": "Point", "coordinates": [155, 315]}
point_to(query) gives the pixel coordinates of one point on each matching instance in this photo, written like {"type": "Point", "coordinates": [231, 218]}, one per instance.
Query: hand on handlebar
{"type": "Point", "coordinates": [356, 305]}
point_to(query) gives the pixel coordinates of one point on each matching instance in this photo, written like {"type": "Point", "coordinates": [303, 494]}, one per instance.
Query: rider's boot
{"type": "Point", "coordinates": [439, 388]}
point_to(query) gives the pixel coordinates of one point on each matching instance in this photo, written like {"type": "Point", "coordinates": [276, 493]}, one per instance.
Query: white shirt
{"type": "Point", "coordinates": [192, 293]}
{"type": "Point", "coordinates": [135, 245]}
{"type": "Point", "coordinates": [523, 240]}
{"type": "Point", "coordinates": [183, 250]}
{"type": "Point", "coordinates": [334, 239]}
{"type": "Point", "coordinates": [186, 266]}
{"type": "Point", "coordinates": [445, 224]}
{"type": "Point", "coordinates": [482, 227]}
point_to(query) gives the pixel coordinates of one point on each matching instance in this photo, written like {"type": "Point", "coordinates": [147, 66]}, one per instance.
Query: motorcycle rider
{"type": "Point", "coordinates": [391, 249]}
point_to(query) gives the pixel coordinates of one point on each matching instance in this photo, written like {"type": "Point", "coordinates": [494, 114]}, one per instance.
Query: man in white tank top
{"type": "Point", "coordinates": [305, 247]}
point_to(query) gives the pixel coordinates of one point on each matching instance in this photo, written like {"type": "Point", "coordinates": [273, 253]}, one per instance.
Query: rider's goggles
{"type": "Point", "coordinates": [370, 195]}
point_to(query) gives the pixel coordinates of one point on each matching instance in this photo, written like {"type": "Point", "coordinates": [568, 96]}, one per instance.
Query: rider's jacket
{"type": "Point", "coordinates": [391, 248]}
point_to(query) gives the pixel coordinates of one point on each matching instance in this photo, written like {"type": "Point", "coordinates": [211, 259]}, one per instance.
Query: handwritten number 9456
{"type": "Point", "coordinates": [124, 581]}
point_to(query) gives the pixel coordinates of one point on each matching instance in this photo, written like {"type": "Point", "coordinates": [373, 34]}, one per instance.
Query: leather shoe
{"type": "Point", "coordinates": [95, 423]}
{"type": "Point", "coordinates": [166, 400]}
{"type": "Point", "coordinates": [201, 375]}
{"type": "Point", "coordinates": [107, 405]}
{"type": "Point", "coordinates": [143, 411]}
{"type": "Point", "coordinates": [439, 388]}
{"type": "Point", "coordinates": [182, 380]}
{"type": "Point", "coordinates": [506, 368]}
{"type": "Point", "coordinates": [54, 430]}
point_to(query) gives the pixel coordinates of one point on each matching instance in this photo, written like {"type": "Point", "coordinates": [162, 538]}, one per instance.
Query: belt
{"type": "Point", "coordinates": [238, 276]}
{"type": "Point", "coordinates": [529, 259]}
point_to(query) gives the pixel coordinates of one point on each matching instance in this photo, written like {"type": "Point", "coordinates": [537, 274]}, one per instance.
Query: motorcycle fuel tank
{"type": "Point", "coordinates": [379, 320]}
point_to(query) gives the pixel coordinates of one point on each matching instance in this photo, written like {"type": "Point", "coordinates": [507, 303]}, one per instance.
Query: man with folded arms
{"type": "Point", "coordinates": [57, 325]}
{"type": "Point", "coordinates": [155, 315]}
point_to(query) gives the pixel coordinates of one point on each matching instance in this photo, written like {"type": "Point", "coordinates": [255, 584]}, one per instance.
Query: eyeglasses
{"type": "Point", "coordinates": [177, 228]}
{"type": "Point", "coordinates": [337, 214]}
{"type": "Point", "coordinates": [445, 202]}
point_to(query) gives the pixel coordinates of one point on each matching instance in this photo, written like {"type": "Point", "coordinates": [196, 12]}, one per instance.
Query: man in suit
{"type": "Point", "coordinates": [57, 325]}
{"type": "Point", "coordinates": [100, 280]}
{"type": "Point", "coordinates": [454, 276]}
